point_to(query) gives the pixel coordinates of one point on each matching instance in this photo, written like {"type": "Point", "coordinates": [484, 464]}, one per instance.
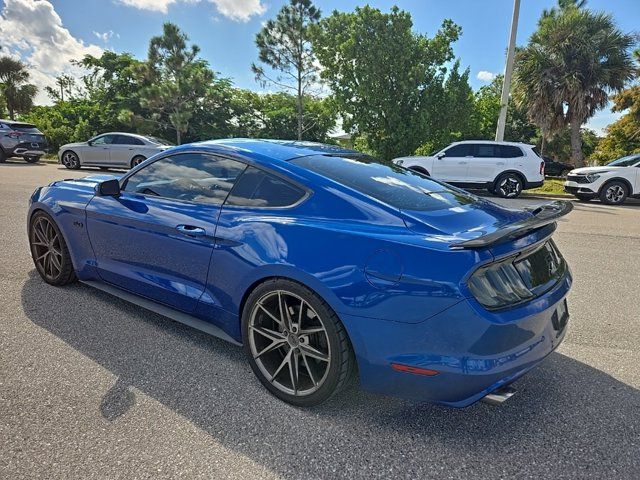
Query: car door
{"type": "Point", "coordinates": [450, 165]}
{"type": "Point", "coordinates": [96, 152]}
{"type": "Point", "coordinates": [486, 162]}
{"type": "Point", "coordinates": [156, 238]}
{"type": "Point", "coordinates": [123, 149]}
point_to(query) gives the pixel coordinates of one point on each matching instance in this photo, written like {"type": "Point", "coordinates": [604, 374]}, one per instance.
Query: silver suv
{"type": "Point", "coordinates": [19, 139]}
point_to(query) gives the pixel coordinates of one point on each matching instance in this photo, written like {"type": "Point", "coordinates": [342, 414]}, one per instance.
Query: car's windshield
{"type": "Point", "coordinates": [396, 186]}
{"type": "Point", "coordinates": [625, 161]}
{"type": "Point", "coordinates": [25, 127]}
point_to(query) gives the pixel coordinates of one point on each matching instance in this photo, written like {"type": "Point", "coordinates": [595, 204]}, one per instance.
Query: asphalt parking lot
{"type": "Point", "coordinates": [92, 387]}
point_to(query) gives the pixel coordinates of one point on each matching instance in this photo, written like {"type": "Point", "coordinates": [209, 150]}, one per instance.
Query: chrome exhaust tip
{"type": "Point", "coordinates": [499, 396]}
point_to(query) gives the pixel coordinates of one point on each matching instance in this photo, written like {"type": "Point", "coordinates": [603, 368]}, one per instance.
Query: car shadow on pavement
{"type": "Point", "coordinates": [567, 419]}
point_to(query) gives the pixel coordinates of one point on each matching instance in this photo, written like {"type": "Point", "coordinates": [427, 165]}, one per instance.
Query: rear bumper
{"type": "Point", "coordinates": [529, 185]}
{"type": "Point", "coordinates": [474, 351]}
{"type": "Point", "coordinates": [29, 149]}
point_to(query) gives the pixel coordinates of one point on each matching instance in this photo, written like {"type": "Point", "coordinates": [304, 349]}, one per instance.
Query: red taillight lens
{"type": "Point", "coordinates": [416, 370]}
{"type": "Point", "coordinates": [15, 134]}
{"type": "Point", "coordinates": [541, 168]}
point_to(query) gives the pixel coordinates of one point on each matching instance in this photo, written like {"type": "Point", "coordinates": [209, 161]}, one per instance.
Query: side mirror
{"type": "Point", "coordinates": [440, 156]}
{"type": "Point", "coordinates": [90, 143]}
{"type": "Point", "coordinates": [108, 188]}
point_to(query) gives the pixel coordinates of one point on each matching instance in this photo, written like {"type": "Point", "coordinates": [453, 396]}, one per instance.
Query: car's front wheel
{"type": "Point", "coordinates": [508, 185]}
{"type": "Point", "coordinates": [49, 251]}
{"type": "Point", "coordinates": [296, 344]}
{"type": "Point", "coordinates": [614, 193]}
{"type": "Point", "coordinates": [70, 160]}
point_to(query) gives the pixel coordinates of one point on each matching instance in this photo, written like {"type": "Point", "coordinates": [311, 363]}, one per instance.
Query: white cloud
{"type": "Point", "coordinates": [33, 31]}
{"type": "Point", "coordinates": [239, 10]}
{"type": "Point", "coordinates": [486, 76]}
{"type": "Point", "coordinates": [106, 36]}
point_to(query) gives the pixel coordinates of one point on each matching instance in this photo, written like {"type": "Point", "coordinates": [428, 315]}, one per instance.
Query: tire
{"type": "Point", "coordinates": [508, 185]}
{"type": "Point", "coordinates": [31, 159]}
{"type": "Point", "coordinates": [49, 251]}
{"type": "Point", "coordinates": [583, 198]}
{"type": "Point", "coordinates": [3, 156]}
{"type": "Point", "coordinates": [275, 346]}
{"type": "Point", "coordinates": [137, 160]}
{"type": "Point", "coordinates": [70, 160]}
{"type": "Point", "coordinates": [614, 193]}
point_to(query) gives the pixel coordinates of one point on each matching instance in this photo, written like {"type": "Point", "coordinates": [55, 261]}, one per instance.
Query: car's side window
{"type": "Point", "coordinates": [193, 177]}
{"type": "Point", "coordinates": [510, 151]}
{"type": "Point", "coordinates": [257, 188]}
{"type": "Point", "coordinates": [463, 150]}
{"type": "Point", "coordinates": [104, 140]}
{"type": "Point", "coordinates": [486, 150]}
{"type": "Point", "coordinates": [127, 140]}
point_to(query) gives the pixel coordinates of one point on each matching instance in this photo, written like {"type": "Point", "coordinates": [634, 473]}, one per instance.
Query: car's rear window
{"type": "Point", "coordinates": [396, 186]}
{"type": "Point", "coordinates": [24, 127]}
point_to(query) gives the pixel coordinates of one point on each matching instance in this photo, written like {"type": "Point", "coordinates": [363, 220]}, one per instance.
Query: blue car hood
{"type": "Point", "coordinates": [463, 221]}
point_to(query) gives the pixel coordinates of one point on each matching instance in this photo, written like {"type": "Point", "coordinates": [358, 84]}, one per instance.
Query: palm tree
{"type": "Point", "coordinates": [573, 61]}
{"type": "Point", "coordinates": [14, 87]}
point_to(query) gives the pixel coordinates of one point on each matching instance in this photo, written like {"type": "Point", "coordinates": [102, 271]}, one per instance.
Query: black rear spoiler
{"type": "Point", "coordinates": [542, 216]}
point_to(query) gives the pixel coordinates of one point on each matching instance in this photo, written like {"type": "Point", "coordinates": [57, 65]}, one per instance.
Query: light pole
{"type": "Point", "coordinates": [504, 101]}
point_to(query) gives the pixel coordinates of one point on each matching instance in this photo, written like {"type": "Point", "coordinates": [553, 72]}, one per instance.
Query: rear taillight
{"type": "Point", "coordinates": [518, 278]}
{"type": "Point", "coordinates": [541, 168]}
{"type": "Point", "coordinates": [15, 134]}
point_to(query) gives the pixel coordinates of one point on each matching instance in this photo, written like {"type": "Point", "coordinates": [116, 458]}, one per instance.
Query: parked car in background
{"type": "Point", "coordinates": [111, 150]}
{"type": "Point", "coordinates": [612, 183]}
{"type": "Point", "coordinates": [553, 168]}
{"type": "Point", "coordinates": [322, 262]}
{"type": "Point", "coordinates": [503, 168]}
{"type": "Point", "coordinates": [18, 139]}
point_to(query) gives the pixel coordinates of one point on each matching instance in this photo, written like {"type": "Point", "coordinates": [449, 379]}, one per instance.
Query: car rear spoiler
{"type": "Point", "coordinates": [541, 216]}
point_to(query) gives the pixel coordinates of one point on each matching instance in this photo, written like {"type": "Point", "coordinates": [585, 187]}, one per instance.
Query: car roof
{"type": "Point", "coordinates": [277, 149]}
{"type": "Point", "coordinates": [137, 135]}
{"type": "Point", "coordinates": [493, 142]}
{"type": "Point", "coordinates": [15, 122]}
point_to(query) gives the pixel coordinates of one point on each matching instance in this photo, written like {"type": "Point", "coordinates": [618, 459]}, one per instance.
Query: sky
{"type": "Point", "coordinates": [48, 34]}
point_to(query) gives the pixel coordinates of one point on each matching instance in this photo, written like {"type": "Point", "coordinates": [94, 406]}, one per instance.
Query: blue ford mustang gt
{"type": "Point", "coordinates": [321, 262]}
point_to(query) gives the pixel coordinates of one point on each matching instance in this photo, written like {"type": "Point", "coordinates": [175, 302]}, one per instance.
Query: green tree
{"type": "Point", "coordinates": [65, 83]}
{"type": "Point", "coordinates": [284, 45]}
{"type": "Point", "coordinates": [17, 93]}
{"type": "Point", "coordinates": [573, 61]}
{"type": "Point", "coordinates": [174, 79]}
{"type": "Point", "coordinates": [382, 75]}
{"type": "Point", "coordinates": [275, 116]}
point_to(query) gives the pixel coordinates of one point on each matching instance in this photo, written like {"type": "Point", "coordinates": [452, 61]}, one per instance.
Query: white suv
{"type": "Point", "coordinates": [613, 182]}
{"type": "Point", "coordinates": [503, 168]}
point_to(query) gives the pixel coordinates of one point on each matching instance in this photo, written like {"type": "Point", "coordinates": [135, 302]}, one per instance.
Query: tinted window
{"type": "Point", "coordinates": [396, 186]}
{"type": "Point", "coordinates": [193, 177]}
{"type": "Point", "coordinates": [104, 140]}
{"type": "Point", "coordinates": [258, 188]}
{"type": "Point", "coordinates": [127, 140]}
{"type": "Point", "coordinates": [486, 150]}
{"type": "Point", "coordinates": [510, 151]}
{"type": "Point", "coordinates": [463, 150]}
{"type": "Point", "coordinates": [24, 127]}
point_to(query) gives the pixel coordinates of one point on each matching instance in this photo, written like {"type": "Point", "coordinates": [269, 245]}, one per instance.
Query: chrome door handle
{"type": "Point", "coordinates": [462, 163]}
{"type": "Point", "coordinates": [190, 230]}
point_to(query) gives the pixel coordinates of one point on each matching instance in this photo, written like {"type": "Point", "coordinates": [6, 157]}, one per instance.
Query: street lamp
{"type": "Point", "coordinates": [504, 101]}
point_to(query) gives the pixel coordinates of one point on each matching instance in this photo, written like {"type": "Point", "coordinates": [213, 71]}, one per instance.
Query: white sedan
{"type": "Point", "coordinates": [612, 183]}
{"type": "Point", "coordinates": [111, 150]}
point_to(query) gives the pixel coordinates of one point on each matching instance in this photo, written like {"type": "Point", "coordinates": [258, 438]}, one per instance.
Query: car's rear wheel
{"type": "Point", "coordinates": [70, 160]}
{"type": "Point", "coordinates": [137, 160]}
{"type": "Point", "coordinates": [296, 344]}
{"type": "Point", "coordinates": [614, 193]}
{"type": "Point", "coordinates": [508, 185]}
{"type": "Point", "coordinates": [49, 251]}
{"type": "Point", "coordinates": [31, 159]}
